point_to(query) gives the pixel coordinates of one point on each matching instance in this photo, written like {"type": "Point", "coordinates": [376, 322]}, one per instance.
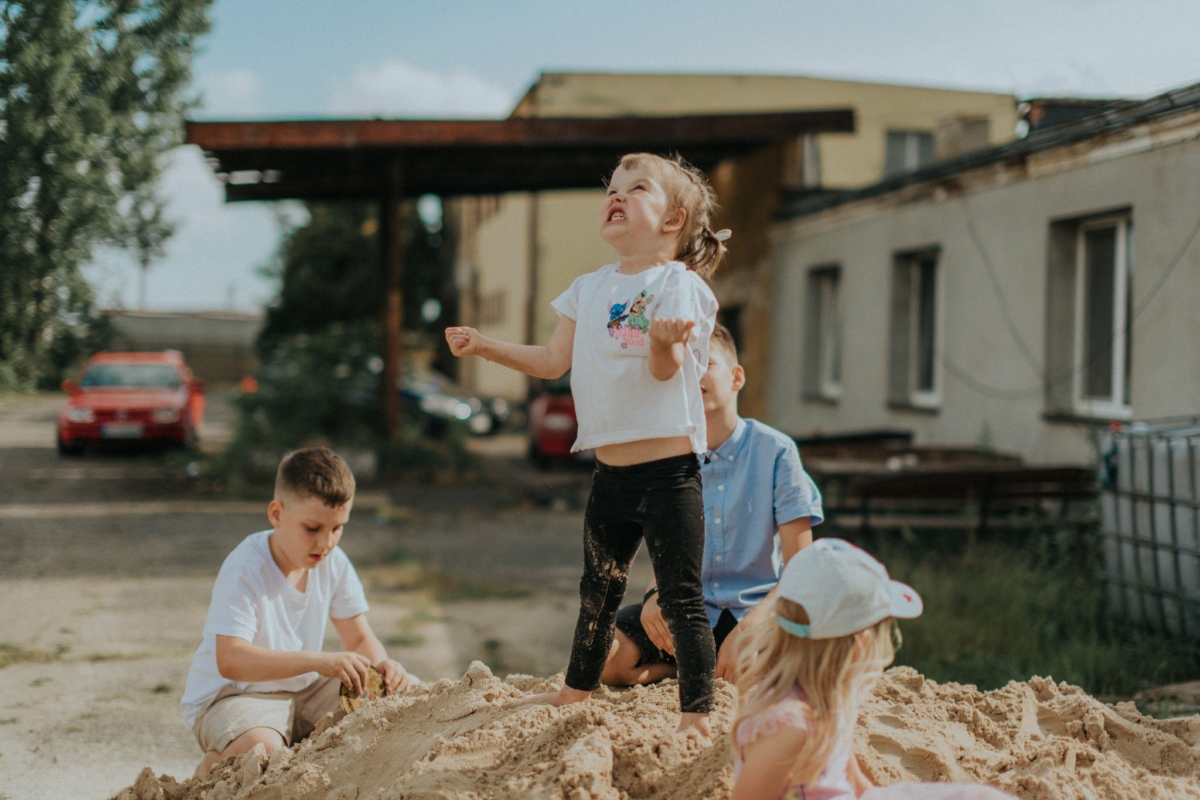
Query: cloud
{"type": "Point", "coordinates": [231, 93]}
{"type": "Point", "coordinates": [394, 88]}
{"type": "Point", "coordinates": [213, 260]}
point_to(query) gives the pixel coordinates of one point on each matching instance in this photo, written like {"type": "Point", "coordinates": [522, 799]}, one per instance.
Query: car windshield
{"type": "Point", "coordinates": [157, 376]}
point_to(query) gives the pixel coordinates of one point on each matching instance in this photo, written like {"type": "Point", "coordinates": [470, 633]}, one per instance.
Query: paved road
{"type": "Point", "coordinates": [120, 514]}
{"type": "Point", "coordinates": [107, 568]}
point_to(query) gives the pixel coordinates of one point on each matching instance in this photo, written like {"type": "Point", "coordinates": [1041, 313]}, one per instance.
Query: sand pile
{"type": "Point", "coordinates": [465, 739]}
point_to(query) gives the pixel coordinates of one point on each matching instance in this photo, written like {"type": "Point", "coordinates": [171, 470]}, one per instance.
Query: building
{"type": "Point", "coordinates": [1012, 297]}
{"type": "Point", "coordinates": [218, 345]}
{"type": "Point", "coordinates": [519, 251]}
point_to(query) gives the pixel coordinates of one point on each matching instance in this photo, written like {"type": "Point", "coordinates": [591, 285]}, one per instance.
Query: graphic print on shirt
{"type": "Point", "coordinates": [627, 322]}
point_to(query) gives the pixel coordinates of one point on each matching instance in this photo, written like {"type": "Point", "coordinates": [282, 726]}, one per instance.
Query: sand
{"type": "Point", "coordinates": [468, 739]}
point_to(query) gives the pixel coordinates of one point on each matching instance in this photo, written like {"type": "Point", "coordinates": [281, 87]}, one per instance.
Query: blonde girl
{"type": "Point", "coordinates": [635, 336]}
{"type": "Point", "coordinates": [833, 634]}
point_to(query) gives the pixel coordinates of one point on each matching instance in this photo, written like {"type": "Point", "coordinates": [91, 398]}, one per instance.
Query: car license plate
{"type": "Point", "coordinates": [121, 430]}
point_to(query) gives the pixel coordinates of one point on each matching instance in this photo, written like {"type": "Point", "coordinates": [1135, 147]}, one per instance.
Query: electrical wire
{"type": "Point", "coordinates": [1070, 374]}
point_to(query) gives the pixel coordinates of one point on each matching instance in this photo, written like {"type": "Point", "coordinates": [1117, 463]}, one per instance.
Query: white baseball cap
{"type": "Point", "coordinates": [844, 589]}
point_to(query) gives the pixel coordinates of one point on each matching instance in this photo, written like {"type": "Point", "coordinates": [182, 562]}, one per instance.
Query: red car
{"type": "Point", "coordinates": [144, 398]}
{"type": "Point", "coordinates": [552, 422]}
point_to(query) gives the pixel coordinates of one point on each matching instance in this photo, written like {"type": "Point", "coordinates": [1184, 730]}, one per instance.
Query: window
{"type": "Point", "coordinates": [823, 342]}
{"type": "Point", "coordinates": [1088, 299]}
{"type": "Point", "coordinates": [1102, 301]}
{"type": "Point", "coordinates": [914, 375]}
{"type": "Point", "coordinates": [907, 151]}
{"type": "Point", "coordinates": [803, 165]}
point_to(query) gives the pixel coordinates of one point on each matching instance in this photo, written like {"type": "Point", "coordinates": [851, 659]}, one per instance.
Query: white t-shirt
{"type": "Point", "coordinates": [252, 600]}
{"type": "Point", "coordinates": [616, 397]}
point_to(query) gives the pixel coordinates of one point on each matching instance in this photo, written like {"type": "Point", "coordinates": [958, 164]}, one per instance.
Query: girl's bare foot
{"type": "Point", "coordinates": [692, 721]}
{"type": "Point", "coordinates": [562, 697]}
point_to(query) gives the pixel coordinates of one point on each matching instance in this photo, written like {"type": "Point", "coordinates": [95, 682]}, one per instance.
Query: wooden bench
{"type": "Point", "coordinates": [957, 496]}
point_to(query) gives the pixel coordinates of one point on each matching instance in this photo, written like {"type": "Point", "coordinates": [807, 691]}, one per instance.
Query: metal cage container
{"type": "Point", "coordinates": [1150, 522]}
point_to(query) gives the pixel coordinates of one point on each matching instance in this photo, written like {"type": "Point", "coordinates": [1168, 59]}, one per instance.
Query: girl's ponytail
{"type": "Point", "coordinates": [705, 253]}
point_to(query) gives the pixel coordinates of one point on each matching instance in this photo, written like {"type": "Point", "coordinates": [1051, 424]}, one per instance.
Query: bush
{"type": "Point", "coordinates": [325, 389]}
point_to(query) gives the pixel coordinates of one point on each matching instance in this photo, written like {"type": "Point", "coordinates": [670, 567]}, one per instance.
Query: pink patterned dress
{"type": "Point", "coordinates": [833, 783]}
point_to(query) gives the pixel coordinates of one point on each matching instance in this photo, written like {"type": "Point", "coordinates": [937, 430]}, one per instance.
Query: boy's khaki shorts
{"type": "Point", "coordinates": [293, 714]}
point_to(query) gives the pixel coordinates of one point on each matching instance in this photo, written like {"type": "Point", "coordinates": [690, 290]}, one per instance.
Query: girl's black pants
{"type": "Point", "coordinates": [661, 502]}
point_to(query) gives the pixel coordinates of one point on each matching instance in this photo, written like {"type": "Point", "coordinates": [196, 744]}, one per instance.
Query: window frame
{"type": "Point", "coordinates": [826, 332]}
{"type": "Point", "coordinates": [1114, 406]}
{"type": "Point", "coordinates": [912, 140]}
{"type": "Point", "coordinates": [925, 398]}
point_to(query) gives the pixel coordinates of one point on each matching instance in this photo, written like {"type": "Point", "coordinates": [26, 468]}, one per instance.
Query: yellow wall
{"type": "Point", "coordinates": [569, 243]}
{"type": "Point", "coordinates": [847, 160]}
{"type": "Point", "coordinates": [494, 257]}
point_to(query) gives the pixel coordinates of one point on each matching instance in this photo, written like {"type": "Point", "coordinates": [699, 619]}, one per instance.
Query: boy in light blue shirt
{"type": "Point", "coordinates": [759, 510]}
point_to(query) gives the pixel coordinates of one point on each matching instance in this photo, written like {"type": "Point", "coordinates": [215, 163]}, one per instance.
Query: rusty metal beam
{"type": "Point", "coordinates": [522, 131]}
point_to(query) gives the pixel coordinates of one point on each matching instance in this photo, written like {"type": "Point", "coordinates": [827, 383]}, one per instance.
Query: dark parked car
{"type": "Point", "coordinates": [441, 401]}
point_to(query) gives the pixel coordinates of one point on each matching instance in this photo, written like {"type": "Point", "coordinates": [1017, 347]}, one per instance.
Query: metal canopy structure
{"type": "Point", "coordinates": [388, 160]}
{"type": "Point", "coordinates": [327, 160]}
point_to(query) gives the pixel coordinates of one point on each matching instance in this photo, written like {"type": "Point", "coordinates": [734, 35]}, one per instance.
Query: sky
{"type": "Point", "coordinates": [272, 59]}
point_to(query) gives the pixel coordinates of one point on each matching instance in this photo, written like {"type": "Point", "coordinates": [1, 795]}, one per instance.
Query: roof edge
{"type": "Point", "coordinates": [1107, 119]}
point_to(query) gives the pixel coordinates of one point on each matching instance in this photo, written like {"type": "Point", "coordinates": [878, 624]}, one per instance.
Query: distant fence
{"type": "Point", "coordinates": [218, 346]}
{"type": "Point", "coordinates": [1150, 522]}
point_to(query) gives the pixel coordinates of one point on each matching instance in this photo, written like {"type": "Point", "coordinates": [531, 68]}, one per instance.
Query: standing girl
{"type": "Point", "coordinates": [635, 336]}
{"type": "Point", "coordinates": [833, 635]}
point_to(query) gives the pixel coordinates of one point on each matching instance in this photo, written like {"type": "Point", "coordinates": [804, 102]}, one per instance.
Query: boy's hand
{"type": "Point", "coordinates": [731, 652]}
{"type": "Point", "coordinates": [655, 626]}
{"type": "Point", "coordinates": [464, 341]}
{"type": "Point", "coordinates": [351, 669]}
{"type": "Point", "coordinates": [669, 331]}
{"type": "Point", "coordinates": [395, 677]}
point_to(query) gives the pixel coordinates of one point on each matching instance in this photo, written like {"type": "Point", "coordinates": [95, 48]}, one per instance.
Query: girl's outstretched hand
{"type": "Point", "coordinates": [464, 341]}
{"type": "Point", "coordinates": [670, 331]}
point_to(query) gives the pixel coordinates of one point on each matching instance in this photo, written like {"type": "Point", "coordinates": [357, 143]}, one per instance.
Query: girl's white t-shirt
{"type": "Point", "coordinates": [252, 600]}
{"type": "Point", "coordinates": [616, 398]}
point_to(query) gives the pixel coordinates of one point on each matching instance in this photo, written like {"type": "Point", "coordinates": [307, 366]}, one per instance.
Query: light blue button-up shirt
{"type": "Point", "coordinates": [753, 483]}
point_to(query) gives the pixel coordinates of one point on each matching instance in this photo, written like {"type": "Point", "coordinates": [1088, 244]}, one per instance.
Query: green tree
{"type": "Point", "coordinates": [329, 272]}
{"type": "Point", "coordinates": [92, 94]}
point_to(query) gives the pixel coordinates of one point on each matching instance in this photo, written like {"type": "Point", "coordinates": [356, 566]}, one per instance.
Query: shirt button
{"type": "Point", "coordinates": [717, 520]}
{"type": "Point", "coordinates": [717, 584]}
{"type": "Point", "coordinates": [720, 487]}
{"type": "Point", "coordinates": [718, 558]}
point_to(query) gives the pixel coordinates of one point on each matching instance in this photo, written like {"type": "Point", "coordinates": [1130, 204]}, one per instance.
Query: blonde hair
{"type": "Point", "coordinates": [834, 674]}
{"type": "Point", "coordinates": [687, 188]}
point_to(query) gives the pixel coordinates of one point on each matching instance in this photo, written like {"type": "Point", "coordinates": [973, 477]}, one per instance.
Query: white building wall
{"type": "Point", "coordinates": [990, 390]}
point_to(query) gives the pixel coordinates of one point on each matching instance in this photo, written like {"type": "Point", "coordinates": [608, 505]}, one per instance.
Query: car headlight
{"type": "Point", "coordinates": [80, 415]}
{"type": "Point", "coordinates": [165, 416]}
{"type": "Point", "coordinates": [463, 411]}
{"type": "Point", "coordinates": [480, 424]}
{"type": "Point", "coordinates": [558, 422]}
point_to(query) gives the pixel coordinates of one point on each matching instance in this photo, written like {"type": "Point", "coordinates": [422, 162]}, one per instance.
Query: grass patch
{"type": "Point", "coordinates": [449, 590]}
{"type": "Point", "coordinates": [401, 574]}
{"type": "Point", "coordinates": [7, 720]}
{"type": "Point", "coordinates": [1033, 605]}
{"type": "Point", "coordinates": [162, 688]}
{"type": "Point", "coordinates": [96, 658]}
{"type": "Point", "coordinates": [405, 640]}
{"type": "Point", "coordinates": [14, 654]}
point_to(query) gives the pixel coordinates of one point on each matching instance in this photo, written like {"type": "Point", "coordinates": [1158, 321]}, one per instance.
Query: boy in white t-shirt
{"type": "Point", "coordinates": [259, 676]}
